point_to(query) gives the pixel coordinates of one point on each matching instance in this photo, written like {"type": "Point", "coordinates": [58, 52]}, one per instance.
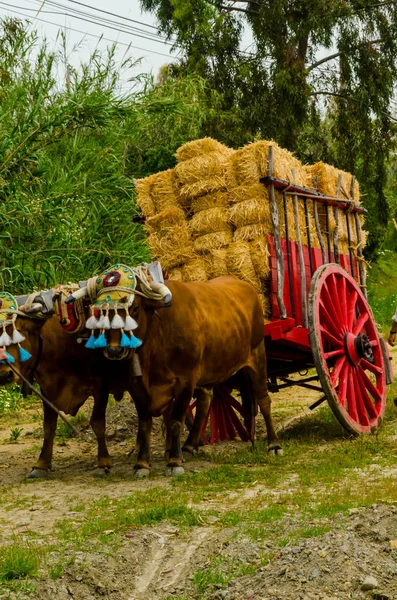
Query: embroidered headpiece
{"type": "Point", "coordinates": [8, 332]}
{"type": "Point", "coordinates": [115, 290]}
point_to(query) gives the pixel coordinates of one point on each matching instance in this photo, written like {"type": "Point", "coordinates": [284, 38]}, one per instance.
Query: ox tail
{"type": "Point", "coordinates": [249, 403]}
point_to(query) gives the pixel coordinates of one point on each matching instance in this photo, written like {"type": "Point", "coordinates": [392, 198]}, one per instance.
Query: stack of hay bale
{"type": "Point", "coordinates": [324, 178]}
{"type": "Point", "coordinates": [210, 215]}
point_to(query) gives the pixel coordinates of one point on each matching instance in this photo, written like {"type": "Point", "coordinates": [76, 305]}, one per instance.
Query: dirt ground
{"type": "Point", "coordinates": [158, 562]}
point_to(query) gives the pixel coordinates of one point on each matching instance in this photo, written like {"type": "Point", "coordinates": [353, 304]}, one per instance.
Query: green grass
{"type": "Point", "coordinates": [382, 288]}
{"type": "Point", "coordinates": [18, 562]}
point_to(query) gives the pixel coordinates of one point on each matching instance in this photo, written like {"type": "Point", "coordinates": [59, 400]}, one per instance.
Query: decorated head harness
{"type": "Point", "coordinates": [9, 334]}
{"type": "Point", "coordinates": [113, 290]}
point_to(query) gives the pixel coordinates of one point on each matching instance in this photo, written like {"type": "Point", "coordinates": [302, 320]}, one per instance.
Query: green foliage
{"type": "Point", "coordinates": [69, 155]}
{"type": "Point", "coordinates": [382, 288]}
{"type": "Point", "coordinates": [335, 108]}
{"type": "Point", "coordinates": [15, 434]}
{"type": "Point", "coordinates": [18, 561]}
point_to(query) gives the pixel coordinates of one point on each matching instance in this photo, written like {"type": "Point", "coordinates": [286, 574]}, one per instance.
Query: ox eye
{"type": "Point", "coordinates": [135, 312]}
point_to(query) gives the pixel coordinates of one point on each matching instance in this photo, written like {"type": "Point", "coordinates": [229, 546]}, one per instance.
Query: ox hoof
{"type": "Point", "coordinates": [174, 471]}
{"type": "Point", "coordinates": [141, 473]}
{"type": "Point", "coordinates": [37, 474]}
{"type": "Point", "coordinates": [190, 450]}
{"type": "Point", "coordinates": [101, 472]}
{"type": "Point", "coordinates": [275, 451]}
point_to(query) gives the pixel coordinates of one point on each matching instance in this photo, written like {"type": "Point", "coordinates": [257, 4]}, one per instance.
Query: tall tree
{"type": "Point", "coordinates": [307, 57]}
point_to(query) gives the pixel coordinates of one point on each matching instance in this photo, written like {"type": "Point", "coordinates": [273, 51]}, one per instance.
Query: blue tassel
{"type": "Point", "coordinates": [24, 354]}
{"type": "Point", "coordinates": [135, 342]}
{"type": "Point", "coordinates": [100, 342]}
{"type": "Point", "coordinates": [125, 341]}
{"type": "Point", "coordinates": [10, 359]}
{"type": "Point", "coordinates": [91, 342]}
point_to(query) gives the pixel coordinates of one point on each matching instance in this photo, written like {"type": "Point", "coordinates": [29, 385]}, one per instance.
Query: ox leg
{"type": "Point", "coordinates": [98, 426]}
{"type": "Point", "coordinates": [179, 410]}
{"type": "Point", "coordinates": [168, 434]}
{"type": "Point", "coordinates": [203, 401]}
{"type": "Point", "coordinates": [257, 381]}
{"type": "Point", "coordinates": [142, 466]}
{"type": "Point", "coordinates": [43, 465]}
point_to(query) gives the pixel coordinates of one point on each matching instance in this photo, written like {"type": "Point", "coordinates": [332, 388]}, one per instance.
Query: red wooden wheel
{"type": "Point", "coordinates": [223, 417]}
{"type": "Point", "coordinates": [346, 349]}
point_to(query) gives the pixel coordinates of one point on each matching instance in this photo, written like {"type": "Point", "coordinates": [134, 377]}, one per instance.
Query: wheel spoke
{"type": "Point", "coordinates": [329, 304]}
{"type": "Point", "coordinates": [334, 353]}
{"type": "Point", "coordinates": [358, 394]}
{"type": "Point", "coordinates": [351, 309]}
{"type": "Point", "coordinates": [367, 400]}
{"type": "Point", "coordinates": [351, 399]}
{"type": "Point", "coordinates": [373, 368]}
{"type": "Point", "coordinates": [359, 324]}
{"type": "Point", "coordinates": [337, 370]}
{"type": "Point", "coordinates": [329, 321]}
{"type": "Point", "coordinates": [374, 343]}
{"type": "Point", "coordinates": [369, 385]}
{"type": "Point", "coordinates": [333, 292]}
{"type": "Point", "coordinates": [330, 337]}
{"type": "Point", "coordinates": [342, 387]}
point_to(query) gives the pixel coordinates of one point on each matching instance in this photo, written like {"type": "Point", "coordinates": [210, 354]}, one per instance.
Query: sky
{"type": "Point", "coordinates": [84, 25]}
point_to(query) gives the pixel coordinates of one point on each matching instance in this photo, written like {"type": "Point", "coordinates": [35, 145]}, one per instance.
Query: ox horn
{"type": "Point", "coordinates": [35, 308]}
{"type": "Point", "coordinates": [81, 293]}
{"type": "Point", "coordinates": [35, 303]}
{"type": "Point", "coordinates": [163, 290]}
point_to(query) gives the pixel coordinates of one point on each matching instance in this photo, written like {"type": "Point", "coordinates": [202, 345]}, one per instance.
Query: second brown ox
{"type": "Point", "coordinates": [212, 332]}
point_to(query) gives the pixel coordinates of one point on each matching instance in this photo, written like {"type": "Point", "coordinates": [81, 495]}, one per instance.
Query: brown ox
{"type": "Point", "coordinates": [67, 374]}
{"type": "Point", "coordinates": [214, 330]}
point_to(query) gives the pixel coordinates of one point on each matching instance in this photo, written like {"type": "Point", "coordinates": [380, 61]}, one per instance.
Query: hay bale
{"type": "Point", "coordinates": [209, 221]}
{"type": "Point", "coordinates": [157, 192]}
{"type": "Point", "coordinates": [200, 167]}
{"type": "Point", "coordinates": [144, 196]}
{"type": "Point", "coordinates": [166, 222]}
{"type": "Point", "coordinates": [175, 274]}
{"type": "Point", "coordinates": [251, 163]}
{"type": "Point", "coordinates": [173, 249]}
{"type": "Point", "coordinates": [216, 263]}
{"type": "Point", "coordinates": [239, 263]}
{"type": "Point", "coordinates": [195, 270]}
{"type": "Point", "coordinates": [216, 199]}
{"type": "Point", "coordinates": [260, 258]}
{"type": "Point", "coordinates": [190, 191]}
{"type": "Point", "coordinates": [212, 241]}
{"type": "Point", "coordinates": [327, 181]}
{"type": "Point", "coordinates": [198, 147]}
{"type": "Point", "coordinates": [265, 302]}
{"type": "Point", "coordinates": [257, 191]}
{"type": "Point", "coordinates": [251, 212]}
{"type": "Point", "coordinates": [251, 232]}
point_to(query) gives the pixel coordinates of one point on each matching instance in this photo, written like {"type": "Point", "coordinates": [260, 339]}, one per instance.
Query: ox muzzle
{"type": "Point", "coordinates": [7, 377]}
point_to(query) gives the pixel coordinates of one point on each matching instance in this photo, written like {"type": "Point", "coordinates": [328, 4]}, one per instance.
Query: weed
{"type": "Point", "coordinates": [18, 561]}
{"type": "Point", "coordinates": [15, 433]}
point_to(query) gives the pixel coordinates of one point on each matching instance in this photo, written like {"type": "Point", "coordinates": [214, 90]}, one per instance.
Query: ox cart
{"type": "Point", "coordinates": [319, 315]}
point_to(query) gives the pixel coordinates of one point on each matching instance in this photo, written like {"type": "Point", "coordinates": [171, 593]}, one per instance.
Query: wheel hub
{"type": "Point", "coordinates": [357, 348]}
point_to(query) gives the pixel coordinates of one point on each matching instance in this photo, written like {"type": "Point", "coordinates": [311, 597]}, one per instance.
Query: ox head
{"type": "Point", "coordinates": [116, 297]}
{"type": "Point", "coordinates": [18, 336]}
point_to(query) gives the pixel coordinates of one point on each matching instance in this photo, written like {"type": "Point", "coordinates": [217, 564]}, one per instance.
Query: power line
{"type": "Point", "coordinates": [99, 37]}
{"type": "Point", "coordinates": [118, 29]}
{"type": "Point", "coordinates": [103, 19]}
{"type": "Point", "coordinates": [112, 14]}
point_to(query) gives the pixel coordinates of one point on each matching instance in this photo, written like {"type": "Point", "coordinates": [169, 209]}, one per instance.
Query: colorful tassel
{"type": "Point", "coordinates": [125, 341]}
{"type": "Point", "coordinates": [92, 323]}
{"type": "Point", "coordinates": [10, 359]}
{"type": "Point", "coordinates": [100, 341]}
{"type": "Point", "coordinates": [106, 322]}
{"type": "Point", "coordinates": [135, 342]}
{"type": "Point", "coordinates": [5, 339]}
{"type": "Point", "coordinates": [91, 341]}
{"type": "Point", "coordinates": [130, 323]}
{"type": "Point", "coordinates": [100, 322]}
{"type": "Point", "coordinates": [17, 337]}
{"type": "Point", "coordinates": [117, 322]}
{"type": "Point", "coordinates": [24, 354]}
